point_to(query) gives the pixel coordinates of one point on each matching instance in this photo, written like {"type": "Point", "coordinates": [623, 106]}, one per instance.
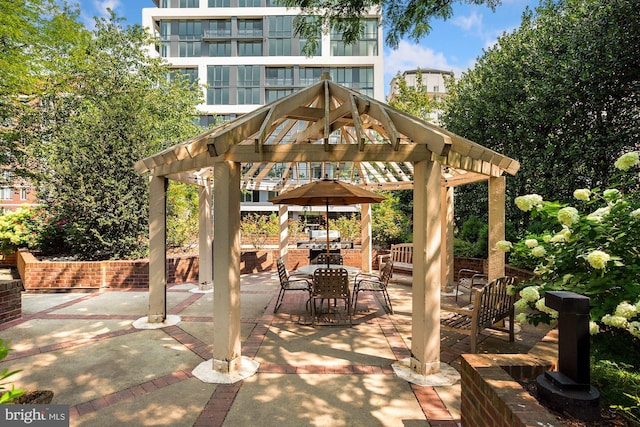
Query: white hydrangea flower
{"type": "Point", "coordinates": [598, 214]}
{"type": "Point", "coordinates": [521, 318]}
{"type": "Point", "coordinates": [511, 290]}
{"type": "Point", "coordinates": [558, 238]}
{"type": "Point", "coordinates": [627, 160]}
{"type": "Point", "coordinates": [528, 202]}
{"type": "Point", "coordinates": [615, 321]}
{"type": "Point", "coordinates": [634, 329]}
{"type": "Point", "coordinates": [540, 305]}
{"type": "Point", "coordinates": [635, 214]}
{"type": "Point", "coordinates": [531, 243]}
{"type": "Point", "coordinates": [546, 238]}
{"type": "Point", "coordinates": [582, 194]}
{"type": "Point", "coordinates": [521, 305]}
{"type": "Point", "coordinates": [598, 259]}
{"type": "Point", "coordinates": [626, 310]}
{"type": "Point", "coordinates": [504, 245]}
{"type": "Point", "coordinates": [530, 294]}
{"type": "Point", "coordinates": [568, 216]}
{"type": "Point", "coordinates": [593, 328]}
{"type": "Point", "coordinates": [538, 251]}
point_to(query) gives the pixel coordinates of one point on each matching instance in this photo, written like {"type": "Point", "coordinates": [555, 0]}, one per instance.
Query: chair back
{"type": "Point", "coordinates": [331, 283]}
{"type": "Point", "coordinates": [335, 259]}
{"type": "Point", "coordinates": [495, 302]}
{"type": "Point", "coordinates": [282, 271]}
{"type": "Point", "coordinates": [387, 272]}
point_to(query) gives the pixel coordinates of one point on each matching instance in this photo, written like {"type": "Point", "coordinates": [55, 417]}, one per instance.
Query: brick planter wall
{"type": "Point", "coordinates": [10, 300]}
{"type": "Point", "coordinates": [38, 275]}
{"type": "Point", "coordinates": [492, 397]}
{"type": "Point", "coordinates": [9, 259]}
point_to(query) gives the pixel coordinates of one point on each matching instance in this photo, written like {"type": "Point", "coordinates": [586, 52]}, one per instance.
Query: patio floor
{"type": "Point", "coordinates": [83, 347]}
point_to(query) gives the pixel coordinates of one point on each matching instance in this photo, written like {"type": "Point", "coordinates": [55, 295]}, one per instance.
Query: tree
{"type": "Point", "coordinates": [560, 94]}
{"type": "Point", "coordinates": [402, 19]}
{"type": "Point", "coordinates": [112, 106]}
{"type": "Point", "coordinates": [32, 34]}
{"type": "Point", "coordinates": [414, 100]}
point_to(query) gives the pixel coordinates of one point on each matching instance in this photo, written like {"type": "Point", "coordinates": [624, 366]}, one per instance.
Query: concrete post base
{"type": "Point", "coordinates": [147, 323]}
{"type": "Point", "coordinates": [205, 372]}
{"type": "Point", "coordinates": [445, 376]}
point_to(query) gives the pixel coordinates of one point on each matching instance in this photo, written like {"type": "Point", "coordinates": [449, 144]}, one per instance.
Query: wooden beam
{"type": "Point", "coordinates": [283, 153]}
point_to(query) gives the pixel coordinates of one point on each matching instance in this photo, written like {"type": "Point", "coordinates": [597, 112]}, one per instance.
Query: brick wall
{"type": "Point", "coordinates": [9, 259]}
{"type": "Point", "coordinates": [10, 300]}
{"type": "Point", "coordinates": [491, 395]}
{"type": "Point", "coordinates": [135, 273]}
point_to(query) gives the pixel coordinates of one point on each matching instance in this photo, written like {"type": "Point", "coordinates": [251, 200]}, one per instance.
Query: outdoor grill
{"type": "Point", "coordinates": [317, 243]}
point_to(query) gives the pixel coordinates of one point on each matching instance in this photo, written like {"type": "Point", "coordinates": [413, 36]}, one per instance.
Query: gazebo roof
{"type": "Point", "coordinates": [374, 145]}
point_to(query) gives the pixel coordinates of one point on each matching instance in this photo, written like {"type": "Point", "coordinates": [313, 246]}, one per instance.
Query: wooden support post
{"type": "Point", "coordinates": [365, 235]}
{"type": "Point", "coordinates": [157, 249]}
{"type": "Point", "coordinates": [283, 214]}
{"type": "Point", "coordinates": [205, 249]}
{"type": "Point", "coordinates": [427, 228]}
{"type": "Point", "coordinates": [226, 268]}
{"type": "Point", "coordinates": [446, 268]}
{"type": "Point", "coordinates": [496, 261]}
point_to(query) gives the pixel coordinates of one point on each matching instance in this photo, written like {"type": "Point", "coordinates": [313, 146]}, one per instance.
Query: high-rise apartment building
{"type": "Point", "coordinates": [247, 54]}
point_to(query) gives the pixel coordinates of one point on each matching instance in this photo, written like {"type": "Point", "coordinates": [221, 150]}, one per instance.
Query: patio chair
{"type": "Point", "coordinates": [470, 279]}
{"type": "Point", "coordinates": [364, 282]}
{"type": "Point", "coordinates": [291, 282]}
{"type": "Point", "coordinates": [335, 259]}
{"type": "Point", "coordinates": [330, 284]}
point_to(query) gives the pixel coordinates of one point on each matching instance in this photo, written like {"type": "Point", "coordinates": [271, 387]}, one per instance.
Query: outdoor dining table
{"type": "Point", "coordinates": [310, 269]}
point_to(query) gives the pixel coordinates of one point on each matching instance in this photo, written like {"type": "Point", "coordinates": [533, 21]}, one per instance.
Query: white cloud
{"type": "Point", "coordinates": [471, 23]}
{"type": "Point", "coordinates": [411, 56]}
{"type": "Point", "coordinates": [101, 6]}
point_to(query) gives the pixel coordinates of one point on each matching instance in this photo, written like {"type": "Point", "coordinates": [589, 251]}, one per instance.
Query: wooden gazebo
{"type": "Point", "coordinates": [367, 143]}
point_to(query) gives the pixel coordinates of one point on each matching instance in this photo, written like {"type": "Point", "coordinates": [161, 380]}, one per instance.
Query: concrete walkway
{"type": "Point", "coordinates": [83, 347]}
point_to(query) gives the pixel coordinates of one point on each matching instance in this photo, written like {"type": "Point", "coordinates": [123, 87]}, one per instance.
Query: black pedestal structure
{"type": "Point", "coordinates": [568, 390]}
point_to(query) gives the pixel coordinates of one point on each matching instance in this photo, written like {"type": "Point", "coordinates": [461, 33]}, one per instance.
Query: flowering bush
{"type": "Point", "coordinates": [591, 248]}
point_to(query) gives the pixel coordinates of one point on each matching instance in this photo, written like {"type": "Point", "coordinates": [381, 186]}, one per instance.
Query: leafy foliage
{"type": "Point", "coordinates": [414, 100]}
{"type": "Point", "coordinates": [182, 215]}
{"type": "Point", "coordinates": [348, 226]}
{"type": "Point", "coordinates": [106, 111]}
{"type": "Point", "coordinates": [14, 232]}
{"type": "Point", "coordinates": [389, 223]}
{"type": "Point", "coordinates": [402, 19]}
{"type": "Point", "coordinates": [560, 94]}
{"type": "Point", "coordinates": [257, 228]}
{"type": "Point", "coordinates": [7, 396]}
{"type": "Point", "coordinates": [590, 249]}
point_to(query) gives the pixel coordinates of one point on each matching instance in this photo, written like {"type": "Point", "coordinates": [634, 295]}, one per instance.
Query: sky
{"type": "Point", "coordinates": [453, 45]}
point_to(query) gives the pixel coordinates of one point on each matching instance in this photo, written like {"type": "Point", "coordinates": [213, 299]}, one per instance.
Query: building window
{"type": "Point", "coordinates": [189, 3]}
{"type": "Point", "coordinates": [249, 27]}
{"type": "Point", "coordinates": [220, 48]}
{"type": "Point", "coordinates": [275, 94]}
{"type": "Point", "coordinates": [218, 82]}
{"type": "Point", "coordinates": [279, 47]}
{"type": "Point", "coordinates": [191, 73]}
{"type": "Point", "coordinates": [252, 48]}
{"type": "Point", "coordinates": [165, 38]}
{"type": "Point", "coordinates": [24, 192]}
{"type": "Point", "coordinates": [309, 75]}
{"type": "Point", "coordinates": [219, 3]}
{"type": "Point", "coordinates": [248, 84]}
{"type": "Point", "coordinates": [436, 88]}
{"type": "Point", "coordinates": [280, 26]}
{"type": "Point", "coordinates": [357, 78]}
{"type": "Point", "coordinates": [190, 35]}
{"type": "Point", "coordinates": [280, 76]}
{"type": "Point", "coordinates": [6, 193]}
{"type": "Point", "coordinates": [249, 3]}
{"type": "Point", "coordinates": [366, 46]}
{"type": "Point", "coordinates": [219, 28]}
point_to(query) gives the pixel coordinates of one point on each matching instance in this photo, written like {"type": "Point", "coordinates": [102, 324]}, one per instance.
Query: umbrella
{"type": "Point", "coordinates": [327, 192]}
